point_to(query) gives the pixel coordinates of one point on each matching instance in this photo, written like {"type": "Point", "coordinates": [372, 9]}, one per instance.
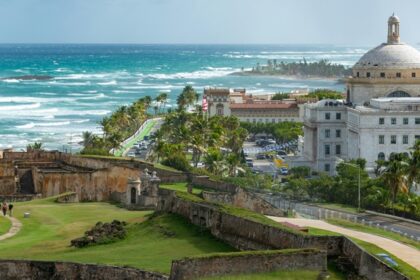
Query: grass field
{"type": "Point", "coordinates": [376, 231]}
{"type": "Point", "coordinates": [5, 224]}
{"type": "Point", "coordinates": [181, 187]}
{"type": "Point", "coordinates": [284, 275]}
{"type": "Point", "coordinates": [151, 244]}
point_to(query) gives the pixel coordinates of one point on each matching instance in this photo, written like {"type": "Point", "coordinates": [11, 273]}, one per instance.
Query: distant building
{"type": "Point", "coordinates": [381, 115]}
{"type": "Point", "coordinates": [249, 108]}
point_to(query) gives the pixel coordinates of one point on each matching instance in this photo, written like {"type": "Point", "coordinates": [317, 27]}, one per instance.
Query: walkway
{"type": "Point", "coordinates": [16, 226]}
{"type": "Point", "coordinates": [406, 253]}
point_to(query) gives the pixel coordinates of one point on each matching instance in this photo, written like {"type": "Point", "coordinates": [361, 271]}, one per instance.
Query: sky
{"type": "Point", "coordinates": [340, 22]}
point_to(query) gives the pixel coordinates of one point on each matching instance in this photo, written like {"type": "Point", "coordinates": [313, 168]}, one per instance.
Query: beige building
{"type": "Point", "coordinates": [392, 69]}
{"type": "Point", "coordinates": [381, 115]}
{"type": "Point", "coordinates": [248, 108]}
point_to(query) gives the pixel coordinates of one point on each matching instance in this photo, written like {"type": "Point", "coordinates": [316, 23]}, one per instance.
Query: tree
{"type": "Point", "coordinates": [37, 146]}
{"type": "Point", "coordinates": [280, 96]}
{"type": "Point", "coordinates": [87, 139]}
{"type": "Point", "coordinates": [395, 176]}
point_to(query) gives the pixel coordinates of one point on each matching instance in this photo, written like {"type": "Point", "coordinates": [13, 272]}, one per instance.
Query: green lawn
{"type": "Point", "coordinates": [376, 231]}
{"type": "Point", "coordinates": [282, 274]}
{"type": "Point", "coordinates": [5, 224]}
{"type": "Point", "coordinates": [182, 187]}
{"type": "Point", "coordinates": [151, 244]}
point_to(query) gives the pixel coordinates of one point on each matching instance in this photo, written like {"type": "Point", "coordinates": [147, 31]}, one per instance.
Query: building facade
{"type": "Point", "coordinates": [381, 115]}
{"type": "Point", "coordinates": [248, 108]}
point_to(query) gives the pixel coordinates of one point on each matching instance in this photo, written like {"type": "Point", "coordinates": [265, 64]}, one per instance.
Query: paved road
{"type": "Point", "coordinates": [410, 230]}
{"type": "Point", "coordinates": [406, 253]}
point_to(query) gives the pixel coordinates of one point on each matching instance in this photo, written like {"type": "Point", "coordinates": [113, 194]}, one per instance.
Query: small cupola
{"type": "Point", "coordinates": [393, 29]}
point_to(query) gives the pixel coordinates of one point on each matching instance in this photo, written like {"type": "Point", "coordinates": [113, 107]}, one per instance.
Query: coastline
{"type": "Point", "coordinates": [289, 77]}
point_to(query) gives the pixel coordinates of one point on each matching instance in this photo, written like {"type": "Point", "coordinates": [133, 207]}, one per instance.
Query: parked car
{"type": "Point", "coordinates": [260, 156]}
{"type": "Point", "coordinates": [282, 153]}
{"type": "Point", "coordinates": [284, 171]}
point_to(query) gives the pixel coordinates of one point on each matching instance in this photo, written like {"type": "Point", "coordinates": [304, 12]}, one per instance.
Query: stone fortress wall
{"type": "Point", "coordinates": [41, 270]}
{"type": "Point", "coordinates": [244, 234]}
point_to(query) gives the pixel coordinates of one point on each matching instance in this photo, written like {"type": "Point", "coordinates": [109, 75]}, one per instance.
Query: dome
{"type": "Point", "coordinates": [397, 56]}
{"type": "Point", "coordinates": [393, 19]}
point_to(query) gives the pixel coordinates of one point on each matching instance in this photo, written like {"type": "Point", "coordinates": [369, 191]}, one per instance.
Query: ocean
{"type": "Point", "coordinates": [90, 81]}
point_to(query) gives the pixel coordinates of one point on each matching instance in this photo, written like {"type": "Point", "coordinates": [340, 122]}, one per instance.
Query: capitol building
{"type": "Point", "coordinates": [381, 115]}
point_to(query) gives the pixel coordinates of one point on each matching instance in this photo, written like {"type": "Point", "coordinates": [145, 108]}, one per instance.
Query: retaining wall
{"type": "Point", "coordinates": [243, 233]}
{"type": "Point", "coordinates": [41, 270]}
{"type": "Point", "coordinates": [367, 265]}
{"type": "Point", "coordinates": [248, 262]}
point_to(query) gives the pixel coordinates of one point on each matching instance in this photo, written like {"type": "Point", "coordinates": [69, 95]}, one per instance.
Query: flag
{"type": "Point", "coordinates": [204, 105]}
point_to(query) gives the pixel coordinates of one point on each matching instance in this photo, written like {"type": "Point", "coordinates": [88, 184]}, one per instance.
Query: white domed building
{"type": "Point", "coordinates": [381, 115]}
{"type": "Point", "coordinates": [392, 69]}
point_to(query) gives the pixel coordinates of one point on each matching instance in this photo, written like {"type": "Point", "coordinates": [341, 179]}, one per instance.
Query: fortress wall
{"type": "Point", "coordinates": [7, 185]}
{"type": "Point", "coordinates": [40, 270]}
{"type": "Point", "coordinates": [248, 262]}
{"type": "Point", "coordinates": [367, 265]}
{"type": "Point", "coordinates": [243, 233]}
{"type": "Point", "coordinates": [89, 186]}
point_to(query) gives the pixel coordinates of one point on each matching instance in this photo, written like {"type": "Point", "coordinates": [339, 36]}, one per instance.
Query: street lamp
{"type": "Point", "coordinates": [358, 168]}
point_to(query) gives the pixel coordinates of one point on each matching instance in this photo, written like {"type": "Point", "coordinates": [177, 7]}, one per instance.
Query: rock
{"type": "Point", "coordinates": [102, 233]}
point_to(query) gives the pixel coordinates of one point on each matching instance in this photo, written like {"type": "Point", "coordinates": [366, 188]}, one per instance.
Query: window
{"type": "Point", "coordinates": [381, 139]}
{"type": "Point", "coordinates": [273, 120]}
{"type": "Point", "coordinates": [338, 116]}
{"type": "Point", "coordinates": [405, 139]}
{"type": "Point", "coordinates": [398, 75]}
{"type": "Point", "coordinates": [327, 116]}
{"type": "Point", "coordinates": [382, 74]}
{"type": "Point", "coordinates": [413, 75]}
{"type": "Point", "coordinates": [417, 137]}
{"type": "Point", "coordinates": [338, 133]}
{"type": "Point", "coordinates": [327, 167]}
{"type": "Point", "coordinates": [381, 121]}
{"type": "Point", "coordinates": [393, 121]}
{"type": "Point", "coordinates": [368, 75]}
{"type": "Point", "coordinates": [405, 120]}
{"type": "Point", "coordinates": [254, 121]}
{"type": "Point", "coordinates": [219, 109]}
{"type": "Point", "coordinates": [327, 133]}
{"type": "Point", "coordinates": [381, 156]}
{"type": "Point", "coordinates": [327, 150]}
{"type": "Point", "coordinates": [393, 139]}
{"type": "Point", "coordinates": [417, 121]}
{"type": "Point", "coordinates": [338, 149]}
{"type": "Point", "coordinates": [357, 74]}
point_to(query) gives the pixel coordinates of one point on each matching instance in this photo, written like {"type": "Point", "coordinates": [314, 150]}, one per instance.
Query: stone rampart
{"type": "Point", "coordinates": [367, 265]}
{"type": "Point", "coordinates": [41, 270]}
{"type": "Point", "coordinates": [243, 233]}
{"type": "Point", "coordinates": [244, 199]}
{"type": "Point", "coordinates": [206, 182]}
{"type": "Point", "coordinates": [7, 185]}
{"type": "Point", "coordinates": [248, 262]}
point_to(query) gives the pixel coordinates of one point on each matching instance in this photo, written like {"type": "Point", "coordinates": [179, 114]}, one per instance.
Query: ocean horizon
{"type": "Point", "coordinates": [89, 81]}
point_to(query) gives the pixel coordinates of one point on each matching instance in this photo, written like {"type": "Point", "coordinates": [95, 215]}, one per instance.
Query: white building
{"type": "Point", "coordinates": [381, 115]}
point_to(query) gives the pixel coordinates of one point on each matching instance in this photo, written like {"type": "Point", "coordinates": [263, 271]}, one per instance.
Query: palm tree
{"type": "Point", "coordinates": [394, 175]}
{"type": "Point", "coordinates": [87, 139]}
{"type": "Point", "coordinates": [413, 172]}
{"type": "Point", "coordinates": [37, 146]}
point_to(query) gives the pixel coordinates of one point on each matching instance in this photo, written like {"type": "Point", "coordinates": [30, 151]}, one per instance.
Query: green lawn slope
{"type": "Point", "coordinates": [152, 242]}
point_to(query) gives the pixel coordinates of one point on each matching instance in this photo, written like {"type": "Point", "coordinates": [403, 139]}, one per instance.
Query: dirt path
{"type": "Point", "coordinates": [16, 226]}
{"type": "Point", "coordinates": [406, 253]}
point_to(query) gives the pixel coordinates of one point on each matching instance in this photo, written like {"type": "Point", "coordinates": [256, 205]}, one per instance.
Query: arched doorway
{"type": "Point", "coordinates": [133, 195]}
{"type": "Point", "coordinates": [399, 93]}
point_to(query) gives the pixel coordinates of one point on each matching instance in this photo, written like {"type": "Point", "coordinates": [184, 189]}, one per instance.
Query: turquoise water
{"type": "Point", "coordinates": [92, 80]}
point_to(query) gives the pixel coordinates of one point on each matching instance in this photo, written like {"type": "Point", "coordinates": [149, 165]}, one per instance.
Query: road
{"type": "Point", "coordinates": [406, 253]}
{"type": "Point", "coordinates": [410, 230]}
